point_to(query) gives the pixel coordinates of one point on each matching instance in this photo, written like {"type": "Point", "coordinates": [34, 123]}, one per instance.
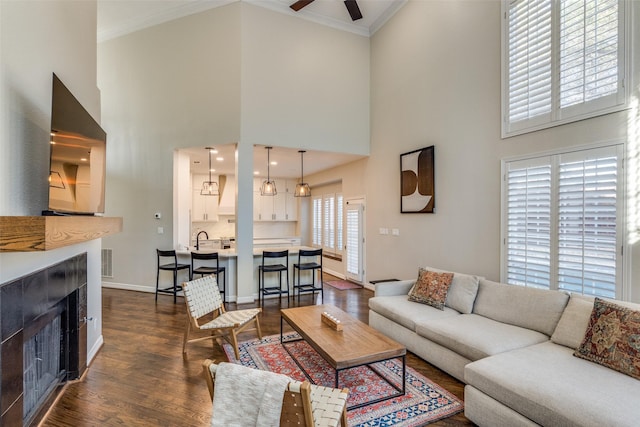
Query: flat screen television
{"type": "Point", "coordinates": [77, 164]}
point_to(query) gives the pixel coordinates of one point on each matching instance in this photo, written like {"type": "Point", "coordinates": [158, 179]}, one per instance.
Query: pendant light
{"type": "Point", "coordinates": [209, 188]}
{"type": "Point", "coordinates": [268, 187]}
{"type": "Point", "coordinates": [302, 189]}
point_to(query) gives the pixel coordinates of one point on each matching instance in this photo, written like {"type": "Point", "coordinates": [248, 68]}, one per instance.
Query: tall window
{"type": "Point", "coordinates": [563, 222]}
{"type": "Point", "coordinates": [327, 222]}
{"type": "Point", "coordinates": [563, 60]}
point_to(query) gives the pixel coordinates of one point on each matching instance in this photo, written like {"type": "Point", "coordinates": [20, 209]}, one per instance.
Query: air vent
{"type": "Point", "coordinates": [107, 262]}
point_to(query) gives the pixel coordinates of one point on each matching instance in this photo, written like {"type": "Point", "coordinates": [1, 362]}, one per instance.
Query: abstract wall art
{"type": "Point", "coordinates": [417, 184]}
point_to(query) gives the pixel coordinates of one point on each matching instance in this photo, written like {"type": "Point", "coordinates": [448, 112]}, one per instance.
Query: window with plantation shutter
{"type": "Point", "coordinates": [317, 221]}
{"type": "Point", "coordinates": [339, 220]}
{"type": "Point", "coordinates": [529, 60]}
{"type": "Point", "coordinates": [329, 230]}
{"type": "Point", "coordinates": [563, 222]}
{"type": "Point", "coordinates": [587, 223]}
{"type": "Point", "coordinates": [529, 223]}
{"type": "Point", "coordinates": [327, 223]}
{"type": "Point", "coordinates": [563, 60]}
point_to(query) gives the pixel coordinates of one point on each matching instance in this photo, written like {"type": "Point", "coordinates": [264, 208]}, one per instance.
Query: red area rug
{"type": "Point", "coordinates": [342, 284]}
{"type": "Point", "coordinates": [423, 403]}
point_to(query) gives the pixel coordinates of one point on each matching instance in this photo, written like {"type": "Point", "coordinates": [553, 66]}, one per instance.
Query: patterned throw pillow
{"type": "Point", "coordinates": [613, 338]}
{"type": "Point", "coordinates": [431, 288]}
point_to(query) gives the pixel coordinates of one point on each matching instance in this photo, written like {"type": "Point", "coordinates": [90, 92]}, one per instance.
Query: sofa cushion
{"type": "Point", "coordinates": [475, 337]}
{"type": "Point", "coordinates": [573, 322]}
{"type": "Point", "coordinates": [613, 338]}
{"type": "Point", "coordinates": [431, 288]}
{"type": "Point", "coordinates": [529, 308]}
{"type": "Point", "coordinates": [546, 384]}
{"type": "Point", "coordinates": [405, 313]}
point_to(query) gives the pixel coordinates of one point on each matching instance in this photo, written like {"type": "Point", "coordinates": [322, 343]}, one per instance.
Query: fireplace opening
{"type": "Point", "coordinates": [43, 366]}
{"type": "Point", "coordinates": [44, 356]}
{"type": "Point", "coordinates": [43, 338]}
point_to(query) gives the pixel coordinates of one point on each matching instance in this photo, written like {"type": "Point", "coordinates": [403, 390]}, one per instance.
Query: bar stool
{"type": "Point", "coordinates": [313, 266]}
{"type": "Point", "coordinates": [273, 267]}
{"type": "Point", "coordinates": [204, 270]}
{"type": "Point", "coordinates": [171, 266]}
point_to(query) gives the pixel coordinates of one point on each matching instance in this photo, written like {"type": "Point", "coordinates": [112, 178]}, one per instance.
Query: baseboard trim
{"type": "Point", "coordinates": [128, 287]}
{"type": "Point", "coordinates": [94, 350]}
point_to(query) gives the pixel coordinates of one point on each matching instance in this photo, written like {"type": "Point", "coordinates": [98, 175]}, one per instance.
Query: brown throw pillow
{"type": "Point", "coordinates": [431, 288]}
{"type": "Point", "coordinates": [613, 338]}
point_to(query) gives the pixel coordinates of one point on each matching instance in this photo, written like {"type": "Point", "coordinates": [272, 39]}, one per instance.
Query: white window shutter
{"type": "Point", "coordinates": [587, 209]}
{"type": "Point", "coordinates": [354, 241]}
{"type": "Point", "coordinates": [317, 221]}
{"type": "Point", "coordinates": [529, 223]}
{"type": "Point", "coordinates": [529, 64]}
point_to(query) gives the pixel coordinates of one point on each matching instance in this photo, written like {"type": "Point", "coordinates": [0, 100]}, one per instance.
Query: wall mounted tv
{"type": "Point", "coordinates": [77, 164]}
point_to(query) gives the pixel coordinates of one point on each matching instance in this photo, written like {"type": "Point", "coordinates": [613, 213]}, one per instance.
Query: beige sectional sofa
{"type": "Point", "coordinates": [513, 348]}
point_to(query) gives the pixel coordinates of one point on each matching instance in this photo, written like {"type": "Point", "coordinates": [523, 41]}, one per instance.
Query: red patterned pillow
{"type": "Point", "coordinates": [613, 338]}
{"type": "Point", "coordinates": [431, 288]}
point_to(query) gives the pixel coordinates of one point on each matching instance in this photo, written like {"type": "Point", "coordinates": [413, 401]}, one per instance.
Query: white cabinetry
{"type": "Point", "coordinates": [203, 208]}
{"type": "Point", "coordinates": [281, 207]}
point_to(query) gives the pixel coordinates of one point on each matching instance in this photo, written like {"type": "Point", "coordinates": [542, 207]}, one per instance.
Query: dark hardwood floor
{"type": "Point", "coordinates": [139, 377]}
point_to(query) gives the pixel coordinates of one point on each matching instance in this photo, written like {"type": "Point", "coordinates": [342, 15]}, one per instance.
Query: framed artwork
{"type": "Point", "coordinates": [417, 186]}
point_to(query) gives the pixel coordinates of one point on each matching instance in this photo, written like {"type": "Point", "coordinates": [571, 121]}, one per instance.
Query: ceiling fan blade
{"type": "Point", "coordinates": [354, 10]}
{"type": "Point", "coordinates": [300, 4]}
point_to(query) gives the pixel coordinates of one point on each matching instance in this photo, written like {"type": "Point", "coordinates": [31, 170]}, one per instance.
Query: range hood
{"type": "Point", "coordinates": [227, 197]}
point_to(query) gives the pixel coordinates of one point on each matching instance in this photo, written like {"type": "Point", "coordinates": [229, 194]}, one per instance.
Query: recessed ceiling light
{"type": "Point", "coordinates": [220, 159]}
{"type": "Point", "coordinates": [213, 151]}
{"type": "Point", "coordinates": [256, 172]}
{"type": "Point", "coordinates": [274, 163]}
{"type": "Point", "coordinates": [212, 170]}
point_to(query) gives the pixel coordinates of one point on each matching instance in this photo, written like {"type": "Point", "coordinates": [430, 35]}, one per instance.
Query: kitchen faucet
{"type": "Point", "coordinates": [198, 239]}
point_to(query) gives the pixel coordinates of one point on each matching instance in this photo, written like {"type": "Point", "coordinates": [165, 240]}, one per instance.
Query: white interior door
{"type": "Point", "coordinates": [355, 240]}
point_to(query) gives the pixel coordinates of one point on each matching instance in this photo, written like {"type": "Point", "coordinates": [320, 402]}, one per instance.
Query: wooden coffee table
{"type": "Point", "coordinates": [356, 345]}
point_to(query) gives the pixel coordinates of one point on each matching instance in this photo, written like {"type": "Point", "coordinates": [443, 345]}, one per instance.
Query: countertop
{"type": "Point", "coordinates": [231, 253]}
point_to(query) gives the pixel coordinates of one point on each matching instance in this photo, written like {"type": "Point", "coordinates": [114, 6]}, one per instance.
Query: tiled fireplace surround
{"type": "Point", "coordinates": [26, 305]}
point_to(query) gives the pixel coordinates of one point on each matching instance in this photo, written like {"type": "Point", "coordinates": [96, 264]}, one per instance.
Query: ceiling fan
{"type": "Point", "coordinates": [352, 7]}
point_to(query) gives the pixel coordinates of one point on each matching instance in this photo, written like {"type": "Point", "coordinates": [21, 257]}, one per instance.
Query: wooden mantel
{"type": "Point", "coordinates": [43, 233]}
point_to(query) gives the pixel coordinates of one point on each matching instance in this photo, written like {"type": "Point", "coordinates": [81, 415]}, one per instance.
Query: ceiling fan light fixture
{"type": "Point", "coordinates": [209, 188]}
{"type": "Point", "coordinates": [302, 189]}
{"type": "Point", "coordinates": [268, 187]}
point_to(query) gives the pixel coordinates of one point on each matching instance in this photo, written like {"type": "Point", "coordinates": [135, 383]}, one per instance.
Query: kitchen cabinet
{"type": "Point", "coordinates": [203, 208]}
{"type": "Point", "coordinates": [281, 207]}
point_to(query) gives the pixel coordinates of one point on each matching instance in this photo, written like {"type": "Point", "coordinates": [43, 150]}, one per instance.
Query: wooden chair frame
{"type": "Point", "coordinates": [228, 333]}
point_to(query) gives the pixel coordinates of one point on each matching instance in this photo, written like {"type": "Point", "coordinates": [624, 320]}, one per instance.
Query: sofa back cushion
{"type": "Point", "coordinates": [462, 292]}
{"type": "Point", "coordinates": [573, 324]}
{"type": "Point", "coordinates": [530, 308]}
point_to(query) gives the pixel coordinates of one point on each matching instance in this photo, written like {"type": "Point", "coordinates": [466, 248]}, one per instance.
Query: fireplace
{"type": "Point", "coordinates": [43, 325]}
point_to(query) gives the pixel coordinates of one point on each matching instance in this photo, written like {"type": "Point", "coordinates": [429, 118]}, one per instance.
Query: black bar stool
{"type": "Point", "coordinates": [305, 263]}
{"type": "Point", "coordinates": [273, 267]}
{"type": "Point", "coordinates": [171, 266]}
{"type": "Point", "coordinates": [204, 270]}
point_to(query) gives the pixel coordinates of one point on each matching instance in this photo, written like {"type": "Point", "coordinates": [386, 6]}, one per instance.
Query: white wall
{"type": "Point", "coordinates": [38, 38]}
{"type": "Point", "coordinates": [170, 86]}
{"type": "Point", "coordinates": [304, 85]}
{"type": "Point", "coordinates": [435, 80]}
{"type": "Point", "coordinates": [238, 73]}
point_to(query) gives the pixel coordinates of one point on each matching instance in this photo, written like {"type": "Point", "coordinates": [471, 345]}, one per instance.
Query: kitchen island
{"type": "Point", "coordinates": [228, 259]}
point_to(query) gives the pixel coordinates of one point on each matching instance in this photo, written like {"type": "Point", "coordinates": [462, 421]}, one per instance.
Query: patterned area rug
{"type": "Point", "coordinates": [423, 403]}
{"type": "Point", "coordinates": [342, 284]}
